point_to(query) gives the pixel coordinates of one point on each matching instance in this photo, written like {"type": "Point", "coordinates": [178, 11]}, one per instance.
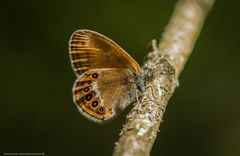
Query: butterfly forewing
{"type": "Point", "coordinates": [80, 52]}
{"type": "Point", "coordinates": [89, 49]}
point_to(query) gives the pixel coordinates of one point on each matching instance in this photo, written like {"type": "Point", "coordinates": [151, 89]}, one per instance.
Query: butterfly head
{"type": "Point", "coordinates": [139, 79]}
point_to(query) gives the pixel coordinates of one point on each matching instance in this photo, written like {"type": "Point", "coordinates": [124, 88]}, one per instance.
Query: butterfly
{"type": "Point", "coordinates": [108, 78]}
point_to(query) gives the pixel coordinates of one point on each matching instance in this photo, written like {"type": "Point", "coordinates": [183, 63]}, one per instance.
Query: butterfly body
{"type": "Point", "coordinates": [107, 77]}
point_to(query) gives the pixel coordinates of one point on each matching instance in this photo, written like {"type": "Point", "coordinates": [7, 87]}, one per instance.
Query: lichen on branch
{"type": "Point", "coordinates": [162, 69]}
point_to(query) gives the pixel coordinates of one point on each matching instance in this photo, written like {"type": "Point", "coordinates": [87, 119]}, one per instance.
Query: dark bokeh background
{"type": "Point", "coordinates": [37, 113]}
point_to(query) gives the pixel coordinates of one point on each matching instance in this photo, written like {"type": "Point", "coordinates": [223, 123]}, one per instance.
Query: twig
{"type": "Point", "coordinates": [165, 63]}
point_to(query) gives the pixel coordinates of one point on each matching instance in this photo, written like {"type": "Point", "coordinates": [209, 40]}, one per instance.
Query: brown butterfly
{"type": "Point", "coordinates": [108, 78]}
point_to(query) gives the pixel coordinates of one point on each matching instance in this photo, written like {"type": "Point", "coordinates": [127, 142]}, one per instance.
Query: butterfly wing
{"type": "Point", "coordinates": [91, 50]}
{"type": "Point", "coordinates": [100, 94]}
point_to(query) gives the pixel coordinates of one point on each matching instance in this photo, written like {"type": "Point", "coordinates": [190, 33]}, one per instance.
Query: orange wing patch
{"type": "Point", "coordinates": [85, 97]}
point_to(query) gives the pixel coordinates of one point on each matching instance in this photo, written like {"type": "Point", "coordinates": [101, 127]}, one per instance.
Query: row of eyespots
{"type": "Point", "coordinates": [89, 96]}
{"type": "Point", "coordinates": [94, 104]}
{"type": "Point", "coordinates": [86, 89]}
{"type": "Point", "coordinates": [101, 109]}
{"type": "Point", "coordinates": [94, 76]}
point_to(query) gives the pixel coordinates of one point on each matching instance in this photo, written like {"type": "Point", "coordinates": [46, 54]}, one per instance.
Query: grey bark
{"type": "Point", "coordinates": [164, 64]}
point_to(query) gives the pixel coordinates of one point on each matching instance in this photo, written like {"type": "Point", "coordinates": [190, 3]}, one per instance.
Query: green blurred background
{"type": "Point", "coordinates": [37, 111]}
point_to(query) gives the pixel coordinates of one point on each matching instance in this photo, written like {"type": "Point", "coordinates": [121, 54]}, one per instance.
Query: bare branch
{"type": "Point", "coordinates": [165, 63]}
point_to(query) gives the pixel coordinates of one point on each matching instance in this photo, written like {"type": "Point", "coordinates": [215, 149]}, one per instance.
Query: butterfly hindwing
{"type": "Point", "coordinates": [100, 94]}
